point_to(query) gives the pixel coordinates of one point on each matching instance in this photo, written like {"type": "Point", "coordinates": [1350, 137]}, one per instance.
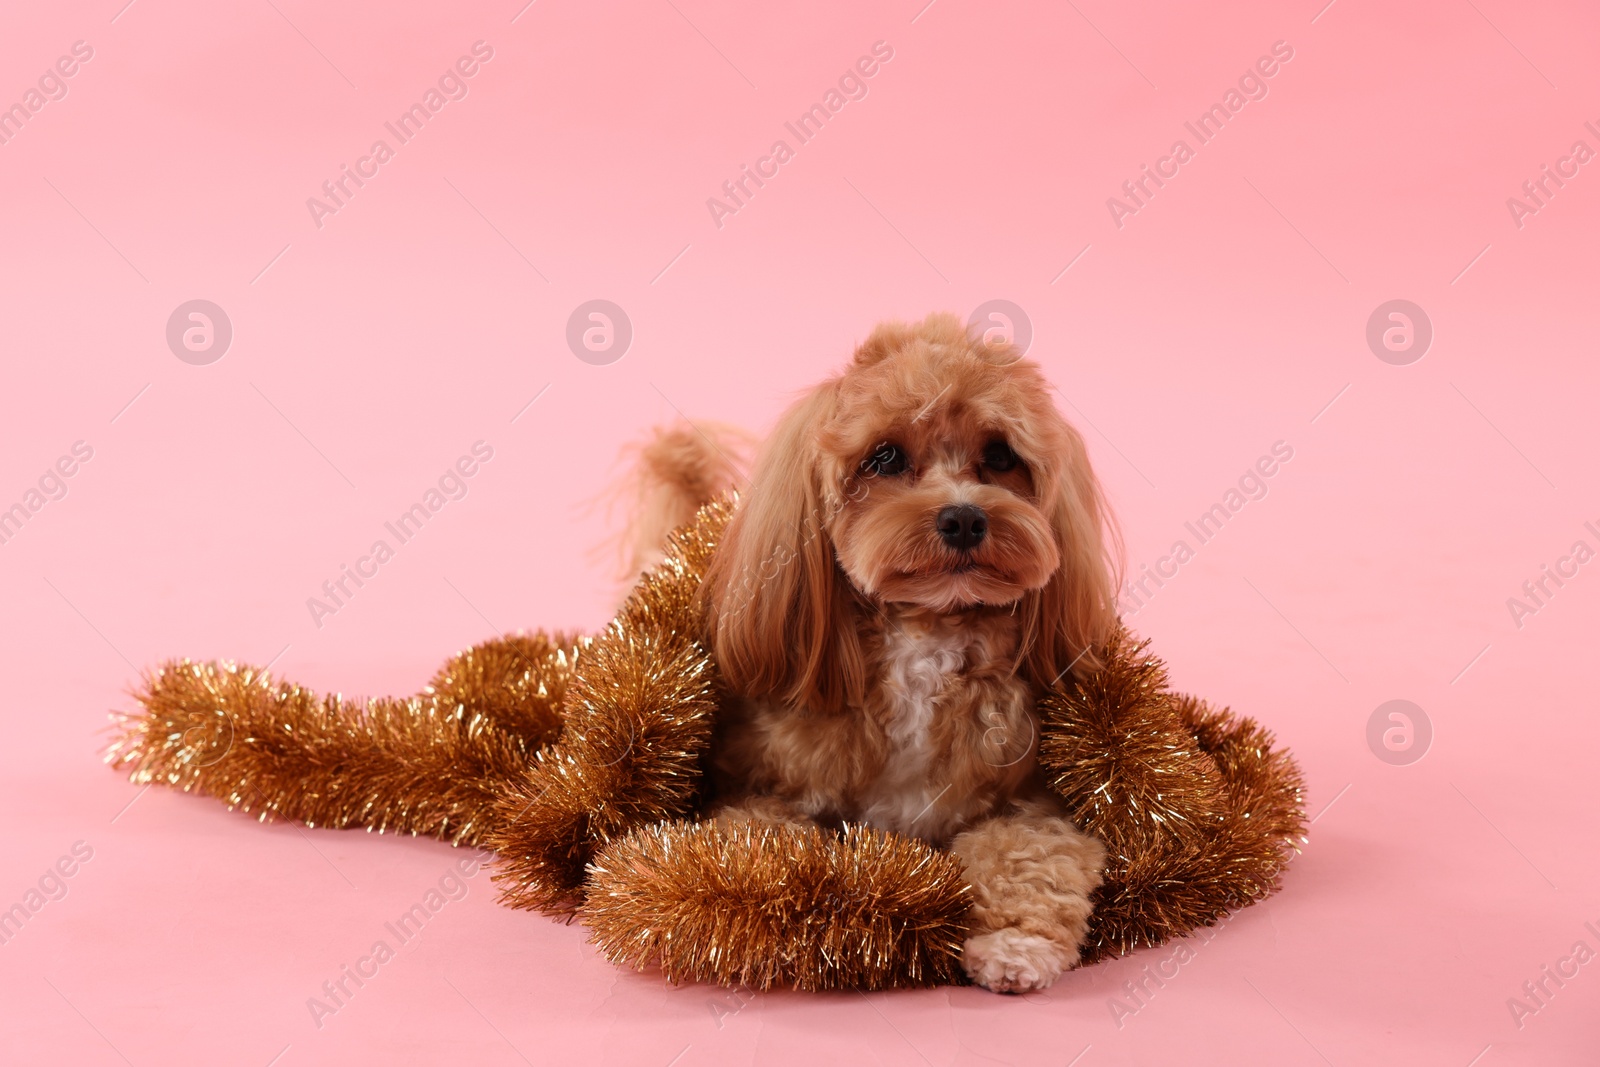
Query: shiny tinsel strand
{"type": "Point", "coordinates": [638, 719]}
{"type": "Point", "coordinates": [419, 765]}
{"type": "Point", "coordinates": [1198, 812]}
{"type": "Point", "coordinates": [518, 683]}
{"type": "Point", "coordinates": [762, 905]}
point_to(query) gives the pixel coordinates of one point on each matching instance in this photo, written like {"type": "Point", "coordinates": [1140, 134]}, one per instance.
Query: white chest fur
{"type": "Point", "coordinates": [919, 666]}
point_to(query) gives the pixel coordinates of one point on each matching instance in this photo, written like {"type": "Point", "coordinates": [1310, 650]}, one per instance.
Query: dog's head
{"type": "Point", "coordinates": [934, 472]}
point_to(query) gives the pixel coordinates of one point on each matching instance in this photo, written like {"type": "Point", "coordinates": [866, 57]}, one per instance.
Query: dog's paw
{"type": "Point", "coordinates": [1010, 961]}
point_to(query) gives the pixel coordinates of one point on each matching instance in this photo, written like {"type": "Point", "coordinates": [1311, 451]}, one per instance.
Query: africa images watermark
{"type": "Point", "coordinates": [1537, 992]}
{"type": "Point", "coordinates": [50, 86]}
{"type": "Point", "coordinates": [51, 486]}
{"type": "Point", "coordinates": [199, 332]}
{"type": "Point", "coordinates": [1252, 85]}
{"type": "Point", "coordinates": [340, 990]}
{"type": "Point", "coordinates": [52, 885]}
{"type": "Point", "coordinates": [1399, 732]}
{"type": "Point", "coordinates": [1153, 977]}
{"type": "Point", "coordinates": [852, 85]}
{"type": "Point", "coordinates": [452, 85]}
{"type": "Point", "coordinates": [1538, 192]}
{"type": "Point", "coordinates": [730, 1002]}
{"type": "Point", "coordinates": [1137, 592]}
{"type": "Point", "coordinates": [1537, 592]}
{"type": "Point", "coordinates": [451, 485]}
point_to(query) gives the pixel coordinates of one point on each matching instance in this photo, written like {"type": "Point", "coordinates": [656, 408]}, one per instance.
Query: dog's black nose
{"type": "Point", "coordinates": [962, 526]}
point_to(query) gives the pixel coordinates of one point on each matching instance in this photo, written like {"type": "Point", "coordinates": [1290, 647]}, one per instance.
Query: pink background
{"type": "Point", "coordinates": [1223, 317]}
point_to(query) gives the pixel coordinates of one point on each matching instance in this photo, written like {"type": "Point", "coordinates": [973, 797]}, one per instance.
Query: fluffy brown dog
{"type": "Point", "coordinates": [921, 551]}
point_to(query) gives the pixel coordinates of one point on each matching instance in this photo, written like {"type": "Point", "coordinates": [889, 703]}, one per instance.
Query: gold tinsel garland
{"type": "Point", "coordinates": [762, 905]}
{"type": "Point", "coordinates": [433, 764]}
{"type": "Point", "coordinates": [638, 720]}
{"type": "Point", "coordinates": [1198, 813]}
{"type": "Point", "coordinates": [579, 762]}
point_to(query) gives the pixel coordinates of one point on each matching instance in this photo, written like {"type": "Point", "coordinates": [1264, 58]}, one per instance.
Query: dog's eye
{"type": "Point", "coordinates": [885, 461]}
{"type": "Point", "coordinates": [997, 456]}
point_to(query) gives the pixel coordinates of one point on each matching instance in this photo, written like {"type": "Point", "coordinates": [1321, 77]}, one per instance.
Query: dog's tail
{"type": "Point", "coordinates": [677, 470]}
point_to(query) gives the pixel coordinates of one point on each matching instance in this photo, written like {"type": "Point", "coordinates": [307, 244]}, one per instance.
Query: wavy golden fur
{"type": "Point", "coordinates": [945, 392]}
{"type": "Point", "coordinates": [922, 552]}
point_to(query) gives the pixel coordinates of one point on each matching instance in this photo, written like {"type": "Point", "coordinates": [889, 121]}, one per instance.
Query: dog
{"type": "Point", "coordinates": [920, 552]}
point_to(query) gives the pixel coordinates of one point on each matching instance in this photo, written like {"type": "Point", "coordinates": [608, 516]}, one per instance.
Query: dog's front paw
{"type": "Point", "coordinates": [1010, 961]}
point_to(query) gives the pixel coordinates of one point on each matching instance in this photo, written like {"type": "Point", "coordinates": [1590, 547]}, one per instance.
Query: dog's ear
{"type": "Point", "coordinates": [780, 614]}
{"type": "Point", "coordinates": [1068, 621]}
